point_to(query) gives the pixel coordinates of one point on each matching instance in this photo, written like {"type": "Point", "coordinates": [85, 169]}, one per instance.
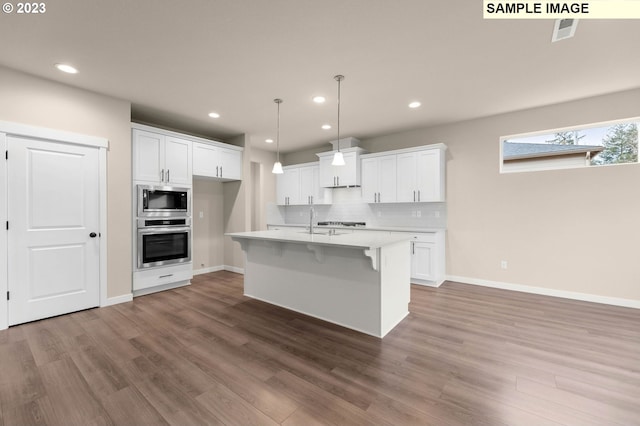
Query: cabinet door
{"type": "Point", "coordinates": [148, 156]}
{"type": "Point", "coordinates": [288, 187]}
{"type": "Point", "coordinates": [308, 184]}
{"type": "Point", "coordinates": [177, 161]}
{"type": "Point", "coordinates": [370, 172]}
{"type": "Point", "coordinates": [428, 176]}
{"type": "Point", "coordinates": [387, 179]}
{"type": "Point", "coordinates": [230, 164]}
{"type": "Point", "coordinates": [327, 172]}
{"type": "Point", "coordinates": [406, 173]}
{"type": "Point", "coordinates": [205, 160]}
{"type": "Point", "coordinates": [423, 260]}
{"type": "Point", "coordinates": [348, 174]}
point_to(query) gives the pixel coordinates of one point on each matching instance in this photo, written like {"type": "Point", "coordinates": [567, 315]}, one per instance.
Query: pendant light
{"type": "Point", "coordinates": [338, 158]}
{"type": "Point", "coordinates": [277, 166]}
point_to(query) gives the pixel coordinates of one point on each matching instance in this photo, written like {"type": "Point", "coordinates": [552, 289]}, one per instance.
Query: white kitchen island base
{"type": "Point", "coordinates": [358, 282]}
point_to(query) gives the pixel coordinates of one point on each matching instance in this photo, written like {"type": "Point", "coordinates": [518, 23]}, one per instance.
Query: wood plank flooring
{"type": "Point", "coordinates": [205, 354]}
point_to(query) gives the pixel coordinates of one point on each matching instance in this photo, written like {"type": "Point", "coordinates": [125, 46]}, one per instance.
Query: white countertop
{"type": "Point", "coordinates": [359, 240]}
{"type": "Point", "coordinates": [361, 228]}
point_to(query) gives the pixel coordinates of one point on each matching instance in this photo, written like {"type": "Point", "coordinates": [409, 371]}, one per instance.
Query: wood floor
{"type": "Point", "coordinates": [204, 354]}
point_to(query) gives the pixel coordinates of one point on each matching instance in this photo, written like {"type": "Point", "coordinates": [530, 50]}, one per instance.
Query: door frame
{"type": "Point", "coordinates": [23, 130]}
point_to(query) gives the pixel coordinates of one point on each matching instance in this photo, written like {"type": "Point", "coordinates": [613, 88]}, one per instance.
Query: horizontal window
{"type": "Point", "coordinates": [584, 146]}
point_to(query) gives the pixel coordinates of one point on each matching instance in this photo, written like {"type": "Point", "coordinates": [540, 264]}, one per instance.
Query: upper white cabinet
{"type": "Point", "coordinates": [379, 183]}
{"type": "Point", "coordinates": [214, 161]}
{"type": "Point", "coordinates": [300, 185]}
{"type": "Point", "coordinates": [405, 175]}
{"type": "Point", "coordinates": [337, 176]}
{"type": "Point", "coordinates": [421, 176]}
{"type": "Point", "coordinates": [161, 159]}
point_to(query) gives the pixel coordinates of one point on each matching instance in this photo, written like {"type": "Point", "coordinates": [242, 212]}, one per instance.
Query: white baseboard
{"type": "Point", "coordinates": [207, 270]}
{"type": "Point", "coordinates": [219, 268]}
{"type": "Point", "coordinates": [234, 269]}
{"type": "Point", "coordinates": [117, 300]}
{"type": "Point", "coordinates": [586, 297]}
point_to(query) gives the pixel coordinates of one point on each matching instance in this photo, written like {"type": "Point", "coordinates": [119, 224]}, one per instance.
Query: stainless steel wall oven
{"type": "Point", "coordinates": [163, 241]}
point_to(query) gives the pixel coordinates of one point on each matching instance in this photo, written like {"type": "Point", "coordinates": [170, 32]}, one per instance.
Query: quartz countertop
{"type": "Point", "coordinates": [349, 239]}
{"type": "Point", "coordinates": [361, 228]}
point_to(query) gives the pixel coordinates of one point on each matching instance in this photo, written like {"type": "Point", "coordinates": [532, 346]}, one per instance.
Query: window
{"type": "Point", "coordinates": [585, 146]}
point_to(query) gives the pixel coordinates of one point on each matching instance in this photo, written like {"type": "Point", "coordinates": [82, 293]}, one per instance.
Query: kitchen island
{"type": "Point", "coordinates": [357, 280]}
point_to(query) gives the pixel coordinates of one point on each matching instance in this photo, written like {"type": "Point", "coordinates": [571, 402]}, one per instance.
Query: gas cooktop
{"type": "Point", "coordinates": [337, 223]}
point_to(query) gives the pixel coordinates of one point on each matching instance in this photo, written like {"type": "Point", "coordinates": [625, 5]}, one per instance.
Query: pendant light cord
{"type": "Point", "coordinates": [339, 78]}
{"type": "Point", "coordinates": [278, 101]}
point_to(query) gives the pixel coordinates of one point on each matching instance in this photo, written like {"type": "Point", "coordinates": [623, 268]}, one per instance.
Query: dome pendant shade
{"type": "Point", "coordinates": [277, 168]}
{"type": "Point", "coordinates": [338, 159]}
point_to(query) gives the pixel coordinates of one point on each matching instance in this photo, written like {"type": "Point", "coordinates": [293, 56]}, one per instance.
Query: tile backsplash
{"type": "Point", "coordinates": [348, 206]}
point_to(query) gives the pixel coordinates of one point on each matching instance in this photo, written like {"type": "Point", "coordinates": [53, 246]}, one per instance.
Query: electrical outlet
{"type": "Point", "coordinates": [503, 264]}
{"type": "Point", "coordinates": [419, 213]}
{"type": "Point", "coordinates": [202, 265]}
{"type": "Point", "coordinates": [201, 215]}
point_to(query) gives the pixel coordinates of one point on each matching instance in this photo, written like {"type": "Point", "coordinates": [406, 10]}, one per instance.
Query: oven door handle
{"type": "Point", "coordinates": [163, 230]}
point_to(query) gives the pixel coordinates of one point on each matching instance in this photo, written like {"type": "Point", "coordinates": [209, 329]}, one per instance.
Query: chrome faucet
{"type": "Point", "coordinates": [311, 220]}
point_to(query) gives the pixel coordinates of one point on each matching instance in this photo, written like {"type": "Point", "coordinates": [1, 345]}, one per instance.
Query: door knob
{"type": "Point", "coordinates": [93, 235]}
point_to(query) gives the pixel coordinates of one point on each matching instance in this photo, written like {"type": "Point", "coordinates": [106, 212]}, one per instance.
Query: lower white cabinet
{"type": "Point", "coordinates": [156, 279]}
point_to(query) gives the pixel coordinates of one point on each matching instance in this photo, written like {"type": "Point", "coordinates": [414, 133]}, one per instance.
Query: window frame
{"type": "Point", "coordinates": [579, 127]}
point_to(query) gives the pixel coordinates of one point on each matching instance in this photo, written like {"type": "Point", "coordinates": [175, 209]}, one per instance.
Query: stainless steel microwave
{"type": "Point", "coordinates": [163, 201]}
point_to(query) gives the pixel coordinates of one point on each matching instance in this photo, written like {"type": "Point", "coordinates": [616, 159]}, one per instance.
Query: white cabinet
{"type": "Point", "coordinates": [421, 176]}
{"type": "Point", "coordinates": [288, 186]}
{"type": "Point", "coordinates": [379, 179]}
{"type": "Point", "coordinates": [423, 260]}
{"type": "Point", "coordinates": [213, 161]}
{"type": "Point", "coordinates": [161, 159]}
{"type": "Point", "coordinates": [338, 176]}
{"type": "Point", "coordinates": [299, 185]}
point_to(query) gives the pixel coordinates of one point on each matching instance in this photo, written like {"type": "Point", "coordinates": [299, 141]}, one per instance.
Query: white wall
{"type": "Point", "coordinates": [568, 230]}
{"type": "Point", "coordinates": [208, 230]}
{"type": "Point", "coordinates": [37, 102]}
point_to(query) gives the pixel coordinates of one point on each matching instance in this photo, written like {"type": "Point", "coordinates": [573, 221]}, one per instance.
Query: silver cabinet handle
{"type": "Point", "coordinates": [338, 177]}
{"type": "Point", "coordinates": [414, 196]}
{"type": "Point", "coordinates": [413, 247]}
{"type": "Point", "coordinates": [220, 171]}
{"type": "Point", "coordinates": [168, 179]}
{"type": "Point", "coordinates": [165, 276]}
{"type": "Point", "coordinates": [216, 171]}
{"type": "Point", "coordinates": [312, 199]}
{"type": "Point", "coordinates": [418, 195]}
{"type": "Point", "coordinates": [378, 197]}
{"type": "Point", "coordinates": [162, 176]}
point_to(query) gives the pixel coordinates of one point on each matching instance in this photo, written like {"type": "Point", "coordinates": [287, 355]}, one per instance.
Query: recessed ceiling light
{"type": "Point", "coordinates": [415, 104]}
{"type": "Point", "coordinates": [319, 99]}
{"type": "Point", "coordinates": [326, 126]}
{"type": "Point", "coordinates": [67, 68]}
{"type": "Point", "coordinates": [214, 115]}
{"type": "Point", "coordinates": [268, 140]}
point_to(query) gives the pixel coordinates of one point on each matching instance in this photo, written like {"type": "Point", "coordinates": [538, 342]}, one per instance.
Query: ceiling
{"type": "Point", "coordinates": [177, 61]}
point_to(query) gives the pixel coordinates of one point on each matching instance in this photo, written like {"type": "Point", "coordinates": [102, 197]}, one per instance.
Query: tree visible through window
{"type": "Point", "coordinates": [613, 143]}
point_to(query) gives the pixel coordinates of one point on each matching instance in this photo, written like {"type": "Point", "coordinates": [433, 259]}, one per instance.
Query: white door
{"type": "Point", "coordinates": [53, 211]}
{"type": "Point", "coordinates": [205, 160]}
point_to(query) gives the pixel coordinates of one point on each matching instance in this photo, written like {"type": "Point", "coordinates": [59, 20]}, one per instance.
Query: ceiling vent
{"type": "Point", "coordinates": [564, 28]}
